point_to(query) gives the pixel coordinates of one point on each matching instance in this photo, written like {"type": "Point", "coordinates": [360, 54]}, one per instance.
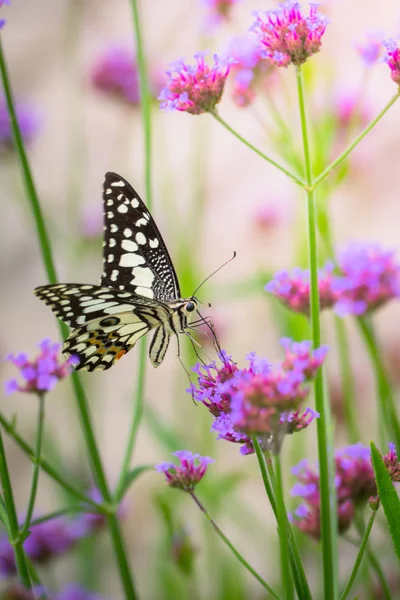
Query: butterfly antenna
{"type": "Point", "coordinates": [213, 273]}
{"type": "Point", "coordinates": [208, 323]}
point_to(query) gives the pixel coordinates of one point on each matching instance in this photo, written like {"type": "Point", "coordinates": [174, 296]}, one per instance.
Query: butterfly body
{"type": "Point", "coordinates": [138, 290]}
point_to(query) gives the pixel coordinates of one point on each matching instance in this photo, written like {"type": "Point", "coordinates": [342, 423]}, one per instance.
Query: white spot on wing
{"type": "Point", "coordinates": [110, 202]}
{"type": "Point", "coordinates": [112, 242]}
{"type": "Point", "coordinates": [129, 245]}
{"type": "Point", "coordinates": [101, 307]}
{"type": "Point", "coordinates": [134, 203]}
{"type": "Point", "coordinates": [122, 208]}
{"type": "Point", "coordinates": [127, 232]}
{"type": "Point", "coordinates": [114, 275]}
{"type": "Point", "coordinates": [113, 228]}
{"type": "Point", "coordinates": [143, 291]}
{"type": "Point", "coordinates": [110, 258]}
{"type": "Point", "coordinates": [141, 222]}
{"type": "Point", "coordinates": [154, 243]}
{"type": "Point", "coordinates": [140, 238]}
{"type": "Point", "coordinates": [118, 184]}
{"type": "Point", "coordinates": [110, 214]}
{"type": "Point", "coordinates": [131, 260]}
{"type": "Point", "coordinates": [143, 276]}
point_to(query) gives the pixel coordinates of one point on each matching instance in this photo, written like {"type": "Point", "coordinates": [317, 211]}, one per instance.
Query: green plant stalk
{"type": "Point", "coordinates": [328, 170]}
{"type": "Point", "coordinates": [286, 575]}
{"type": "Point", "coordinates": [347, 382]}
{"type": "Point", "coordinates": [13, 527]}
{"type": "Point", "coordinates": [83, 408]}
{"type": "Point", "coordinates": [36, 467]}
{"type": "Point", "coordinates": [145, 106]}
{"type": "Point", "coordinates": [268, 476]}
{"type": "Point", "coordinates": [324, 428]}
{"type": "Point", "coordinates": [232, 547]}
{"type": "Point", "coordinates": [385, 589]}
{"type": "Point", "coordinates": [384, 391]}
{"type": "Point", "coordinates": [360, 555]}
{"type": "Point", "coordinates": [53, 473]}
{"type": "Point", "coordinates": [67, 511]}
{"type": "Point", "coordinates": [272, 162]}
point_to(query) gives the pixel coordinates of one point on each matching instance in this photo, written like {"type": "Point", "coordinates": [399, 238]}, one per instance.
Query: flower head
{"type": "Point", "coordinates": [289, 37]}
{"type": "Point", "coordinates": [292, 288]}
{"type": "Point", "coordinates": [218, 10]}
{"type": "Point", "coordinates": [392, 463]}
{"type": "Point", "coordinates": [371, 277]}
{"type": "Point", "coordinates": [392, 58]}
{"type": "Point", "coordinates": [116, 73]}
{"type": "Point", "coordinates": [370, 49]}
{"type": "Point", "coordinates": [42, 373]}
{"type": "Point", "coordinates": [28, 121]}
{"type": "Point", "coordinates": [195, 88]}
{"type": "Point", "coordinates": [188, 473]}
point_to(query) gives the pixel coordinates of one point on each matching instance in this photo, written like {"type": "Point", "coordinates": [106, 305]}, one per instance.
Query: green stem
{"type": "Point", "coordinates": [324, 427]}
{"type": "Point", "coordinates": [286, 575]}
{"type": "Point", "coordinates": [362, 549]}
{"type": "Point", "coordinates": [36, 466]}
{"type": "Point", "coordinates": [53, 473]}
{"type": "Point", "coordinates": [385, 589]}
{"type": "Point", "coordinates": [67, 511]}
{"type": "Point", "coordinates": [347, 382]}
{"type": "Point", "coordinates": [262, 462]}
{"type": "Point", "coordinates": [13, 528]}
{"type": "Point", "coordinates": [232, 547]}
{"type": "Point", "coordinates": [292, 176]}
{"type": "Point", "coordinates": [351, 147]}
{"type": "Point", "coordinates": [384, 390]}
{"type": "Point", "coordinates": [83, 408]}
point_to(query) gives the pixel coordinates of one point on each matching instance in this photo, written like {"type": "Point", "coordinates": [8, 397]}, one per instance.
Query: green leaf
{"type": "Point", "coordinates": [134, 474]}
{"type": "Point", "coordinates": [388, 497]}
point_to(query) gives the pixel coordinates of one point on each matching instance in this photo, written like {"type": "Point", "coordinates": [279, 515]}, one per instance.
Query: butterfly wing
{"type": "Point", "coordinates": [135, 257]}
{"type": "Point", "coordinates": [107, 323]}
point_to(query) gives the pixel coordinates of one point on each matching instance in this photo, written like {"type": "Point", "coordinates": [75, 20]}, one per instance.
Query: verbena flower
{"type": "Point", "coordinates": [218, 10]}
{"type": "Point", "coordinates": [288, 36]}
{"type": "Point", "coordinates": [392, 58]}
{"type": "Point", "coordinates": [370, 278]}
{"type": "Point", "coordinates": [195, 88]}
{"type": "Point", "coordinates": [248, 71]}
{"type": "Point", "coordinates": [260, 399]}
{"type": "Point", "coordinates": [268, 217]}
{"type": "Point", "coordinates": [370, 49]}
{"type": "Point", "coordinates": [188, 473]}
{"type": "Point", "coordinates": [2, 21]}
{"type": "Point", "coordinates": [116, 73]}
{"type": "Point", "coordinates": [354, 481]}
{"type": "Point", "coordinates": [42, 373]}
{"type": "Point", "coordinates": [392, 463]}
{"type": "Point", "coordinates": [28, 121]}
{"type": "Point", "coordinates": [292, 288]}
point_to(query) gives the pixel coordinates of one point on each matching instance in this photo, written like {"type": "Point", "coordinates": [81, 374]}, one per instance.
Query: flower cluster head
{"type": "Point", "coordinates": [370, 49]}
{"type": "Point", "coordinates": [42, 373]}
{"type": "Point", "coordinates": [292, 288]}
{"type": "Point", "coordinates": [219, 10]}
{"type": "Point", "coordinates": [392, 463]}
{"type": "Point", "coordinates": [288, 36]}
{"type": "Point", "coordinates": [248, 71]}
{"type": "Point", "coordinates": [355, 484]}
{"type": "Point", "coordinates": [28, 121]}
{"type": "Point", "coordinates": [392, 59]}
{"type": "Point", "coordinates": [2, 21]}
{"type": "Point", "coordinates": [188, 473]}
{"type": "Point", "coordinates": [370, 278]}
{"type": "Point", "coordinates": [195, 89]}
{"type": "Point", "coordinates": [116, 73]}
{"type": "Point", "coordinates": [261, 399]}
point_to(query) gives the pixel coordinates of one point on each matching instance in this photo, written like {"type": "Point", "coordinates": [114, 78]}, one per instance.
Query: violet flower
{"type": "Point", "coordinates": [28, 121]}
{"type": "Point", "coordinates": [392, 59]}
{"type": "Point", "coordinates": [188, 473]}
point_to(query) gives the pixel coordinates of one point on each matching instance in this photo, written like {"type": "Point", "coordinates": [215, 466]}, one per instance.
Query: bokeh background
{"type": "Point", "coordinates": [211, 196]}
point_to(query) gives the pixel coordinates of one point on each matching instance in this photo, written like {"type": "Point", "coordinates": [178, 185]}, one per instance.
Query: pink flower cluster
{"type": "Point", "coordinates": [195, 89]}
{"type": "Point", "coordinates": [261, 399]}
{"type": "Point", "coordinates": [355, 485]}
{"type": "Point", "coordinates": [188, 473]}
{"type": "Point", "coordinates": [368, 277]}
{"type": "Point", "coordinates": [288, 36]}
{"type": "Point", "coordinates": [392, 59]}
{"type": "Point", "coordinates": [41, 374]}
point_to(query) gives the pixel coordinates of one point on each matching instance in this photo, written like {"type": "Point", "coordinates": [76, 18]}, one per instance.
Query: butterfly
{"type": "Point", "coordinates": [138, 291]}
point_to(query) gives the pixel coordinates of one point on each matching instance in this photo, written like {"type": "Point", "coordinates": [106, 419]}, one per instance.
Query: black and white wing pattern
{"type": "Point", "coordinates": [106, 322]}
{"type": "Point", "coordinates": [135, 257]}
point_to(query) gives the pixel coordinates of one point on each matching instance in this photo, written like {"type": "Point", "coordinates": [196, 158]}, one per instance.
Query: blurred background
{"type": "Point", "coordinates": [211, 196]}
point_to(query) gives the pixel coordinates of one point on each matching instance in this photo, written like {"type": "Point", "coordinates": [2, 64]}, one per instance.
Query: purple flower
{"type": "Point", "coordinates": [195, 89]}
{"type": "Point", "coordinates": [392, 463]}
{"type": "Point", "coordinates": [116, 73]}
{"type": "Point", "coordinates": [292, 288]}
{"type": "Point", "coordinates": [188, 473]}
{"type": "Point", "coordinates": [371, 277]}
{"type": "Point", "coordinates": [289, 37]}
{"type": "Point", "coordinates": [392, 58]}
{"type": "Point", "coordinates": [71, 591]}
{"type": "Point", "coordinates": [74, 591]}
{"type": "Point", "coordinates": [370, 49]}
{"type": "Point", "coordinates": [28, 121]}
{"type": "Point", "coordinates": [41, 374]}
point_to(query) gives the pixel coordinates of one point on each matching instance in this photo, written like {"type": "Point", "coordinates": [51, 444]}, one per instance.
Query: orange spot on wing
{"type": "Point", "coordinates": [120, 354]}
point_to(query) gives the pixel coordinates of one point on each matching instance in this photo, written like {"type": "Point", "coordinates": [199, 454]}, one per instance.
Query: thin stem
{"type": "Point", "coordinates": [328, 170]}
{"type": "Point", "coordinates": [347, 382]}
{"type": "Point", "coordinates": [286, 575]}
{"type": "Point", "coordinates": [13, 528]}
{"type": "Point", "coordinates": [232, 547]}
{"type": "Point", "coordinates": [53, 473]}
{"type": "Point", "coordinates": [324, 427]}
{"type": "Point", "coordinates": [292, 176]}
{"type": "Point", "coordinates": [36, 466]}
{"type": "Point", "coordinates": [385, 589]}
{"type": "Point", "coordinates": [67, 511]}
{"type": "Point", "coordinates": [360, 555]}
{"type": "Point", "coordinates": [384, 390]}
{"type": "Point", "coordinates": [262, 462]}
{"type": "Point", "coordinates": [82, 404]}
